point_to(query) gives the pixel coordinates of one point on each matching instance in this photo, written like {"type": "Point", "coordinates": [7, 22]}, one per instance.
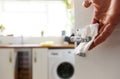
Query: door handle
{"type": "Point", "coordinates": [10, 57]}
{"type": "Point", "coordinates": [35, 56]}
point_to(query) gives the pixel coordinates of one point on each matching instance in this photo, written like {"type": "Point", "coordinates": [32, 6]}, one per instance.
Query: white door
{"type": "Point", "coordinates": [7, 63]}
{"type": "Point", "coordinates": [40, 69]}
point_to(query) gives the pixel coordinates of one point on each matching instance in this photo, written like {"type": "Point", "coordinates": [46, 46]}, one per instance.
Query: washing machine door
{"type": "Point", "coordinates": [65, 70]}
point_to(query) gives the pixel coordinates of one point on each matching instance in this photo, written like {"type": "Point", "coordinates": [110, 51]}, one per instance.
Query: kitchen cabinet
{"type": "Point", "coordinates": [7, 63]}
{"type": "Point", "coordinates": [24, 63]}
{"type": "Point", "coordinates": [39, 60]}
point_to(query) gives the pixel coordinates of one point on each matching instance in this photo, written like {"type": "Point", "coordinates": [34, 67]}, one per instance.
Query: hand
{"type": "Point", "coordinates": [107, 14]}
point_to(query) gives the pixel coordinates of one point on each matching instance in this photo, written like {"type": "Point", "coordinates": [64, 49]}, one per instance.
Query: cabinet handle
{"type": "Point", "coordinates": [35, 56]}
{"type": "Point", "coordinates": [10, 57]}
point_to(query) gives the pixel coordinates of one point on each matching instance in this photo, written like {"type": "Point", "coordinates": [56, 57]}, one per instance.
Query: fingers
{"type": "Point", "coordinates": [108, 29]}
{"type": "Point", "coordinates": [86, 3]}
{"type": "Point", "coordinates": [92, 46]}
{"type": "Point", "coordinates": [94, 20]}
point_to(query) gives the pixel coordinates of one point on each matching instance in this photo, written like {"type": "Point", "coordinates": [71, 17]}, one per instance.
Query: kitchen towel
{"type": "Point", "coordinates": [89, 30]}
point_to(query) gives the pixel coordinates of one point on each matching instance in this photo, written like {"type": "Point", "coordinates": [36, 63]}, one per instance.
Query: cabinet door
{"type": "Point", "coordinates": [40, 63]}
{"type": "Point", "coordinates": [7, 63]}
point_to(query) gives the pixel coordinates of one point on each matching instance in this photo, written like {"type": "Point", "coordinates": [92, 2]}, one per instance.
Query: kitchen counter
{"type": "Point", "coordinates": [36, 46]}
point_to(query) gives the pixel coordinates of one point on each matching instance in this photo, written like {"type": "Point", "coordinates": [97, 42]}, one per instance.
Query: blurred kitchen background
{"type": "Point", "coordinates": [30, 21]}
{"type": "Point", "coordinates": [52, 22]}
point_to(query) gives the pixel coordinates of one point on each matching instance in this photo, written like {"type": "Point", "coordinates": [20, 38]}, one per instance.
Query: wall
{"type": "Point", "coordinates": [28, 40]}
{"type": "Point", "coordinates": [103, 61]}
{"type": "Point", "coordinates": [82, 15]}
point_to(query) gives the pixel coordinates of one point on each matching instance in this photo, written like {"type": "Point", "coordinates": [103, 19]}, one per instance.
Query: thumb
{"type": "Point", "coordinates": [106, 32]}
{"type": "Point", "coordinates": [86, 3]}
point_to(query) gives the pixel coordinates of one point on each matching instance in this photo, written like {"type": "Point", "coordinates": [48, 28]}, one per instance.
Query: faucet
{"type": "Point", "coordinates": [0, 42]}
{"type": "Point", "coordinates": [22, 39]}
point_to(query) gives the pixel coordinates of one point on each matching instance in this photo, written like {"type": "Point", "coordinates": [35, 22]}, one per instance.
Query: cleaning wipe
{"type": "Point", "coordinates": [88, 31]}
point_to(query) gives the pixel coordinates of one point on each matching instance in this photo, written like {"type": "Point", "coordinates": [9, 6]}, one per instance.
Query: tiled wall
{"type": "Point", "coordinates": [28, 40]}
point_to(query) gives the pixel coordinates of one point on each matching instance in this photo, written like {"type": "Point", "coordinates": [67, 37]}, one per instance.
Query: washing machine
{"type": "Point", "coordinates": [61, 64]}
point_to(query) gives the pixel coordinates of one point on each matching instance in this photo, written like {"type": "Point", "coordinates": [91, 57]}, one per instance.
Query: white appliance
{"type": "Point", "coordinates": [61, 64]}
{"type": "Point", "coordinates": [103, 61]}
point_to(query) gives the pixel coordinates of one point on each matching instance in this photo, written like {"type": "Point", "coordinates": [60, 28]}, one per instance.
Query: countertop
{"type": "Point", "coordinates": [36, 46]}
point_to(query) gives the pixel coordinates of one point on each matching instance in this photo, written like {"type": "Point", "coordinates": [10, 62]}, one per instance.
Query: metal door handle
{"type": "Point", "coordinates": [10, 57]}
{"type": "Point", "coordinates": [35, 56]}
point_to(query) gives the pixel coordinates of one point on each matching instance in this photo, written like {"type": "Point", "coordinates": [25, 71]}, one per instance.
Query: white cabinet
{"type": "Point", "coordinates": [40, 67]}
{"type": "Point", "coordinates": [7, 63]}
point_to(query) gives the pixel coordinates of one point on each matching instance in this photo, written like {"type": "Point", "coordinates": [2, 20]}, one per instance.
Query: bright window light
{"type": "Point", "coordinates": [30, 18]}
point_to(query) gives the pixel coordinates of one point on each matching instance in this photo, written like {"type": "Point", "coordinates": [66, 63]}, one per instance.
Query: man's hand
{"type": "Point", "coordinates": [107, 14]}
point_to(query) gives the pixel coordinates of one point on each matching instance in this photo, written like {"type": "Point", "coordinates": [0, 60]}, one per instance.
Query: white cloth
{"type": "Point", "coordinates": [89, 30]}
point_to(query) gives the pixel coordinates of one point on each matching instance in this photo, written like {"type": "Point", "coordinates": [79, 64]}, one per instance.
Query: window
{"type": "Point", "coordinates": [30, 18]}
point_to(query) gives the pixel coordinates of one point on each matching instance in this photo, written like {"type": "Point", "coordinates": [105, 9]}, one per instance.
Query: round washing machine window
{"type": "Point", "coordinates": [65, 70]}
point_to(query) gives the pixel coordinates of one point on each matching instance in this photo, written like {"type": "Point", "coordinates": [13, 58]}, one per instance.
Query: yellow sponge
{"type": "Point", "coordinates": [47, 43]}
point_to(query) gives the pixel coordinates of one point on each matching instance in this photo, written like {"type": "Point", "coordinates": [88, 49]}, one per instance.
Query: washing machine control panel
{"type": "Point", "coordinates": [60, 52]}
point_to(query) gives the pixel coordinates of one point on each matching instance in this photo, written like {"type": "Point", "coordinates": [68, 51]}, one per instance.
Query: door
{"type": "Point", "coordinates": [7, 63]}
{"type": "Point", "coordinates": [23, 63]}
{"type": "Point", "coordinates": [40, 63]}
